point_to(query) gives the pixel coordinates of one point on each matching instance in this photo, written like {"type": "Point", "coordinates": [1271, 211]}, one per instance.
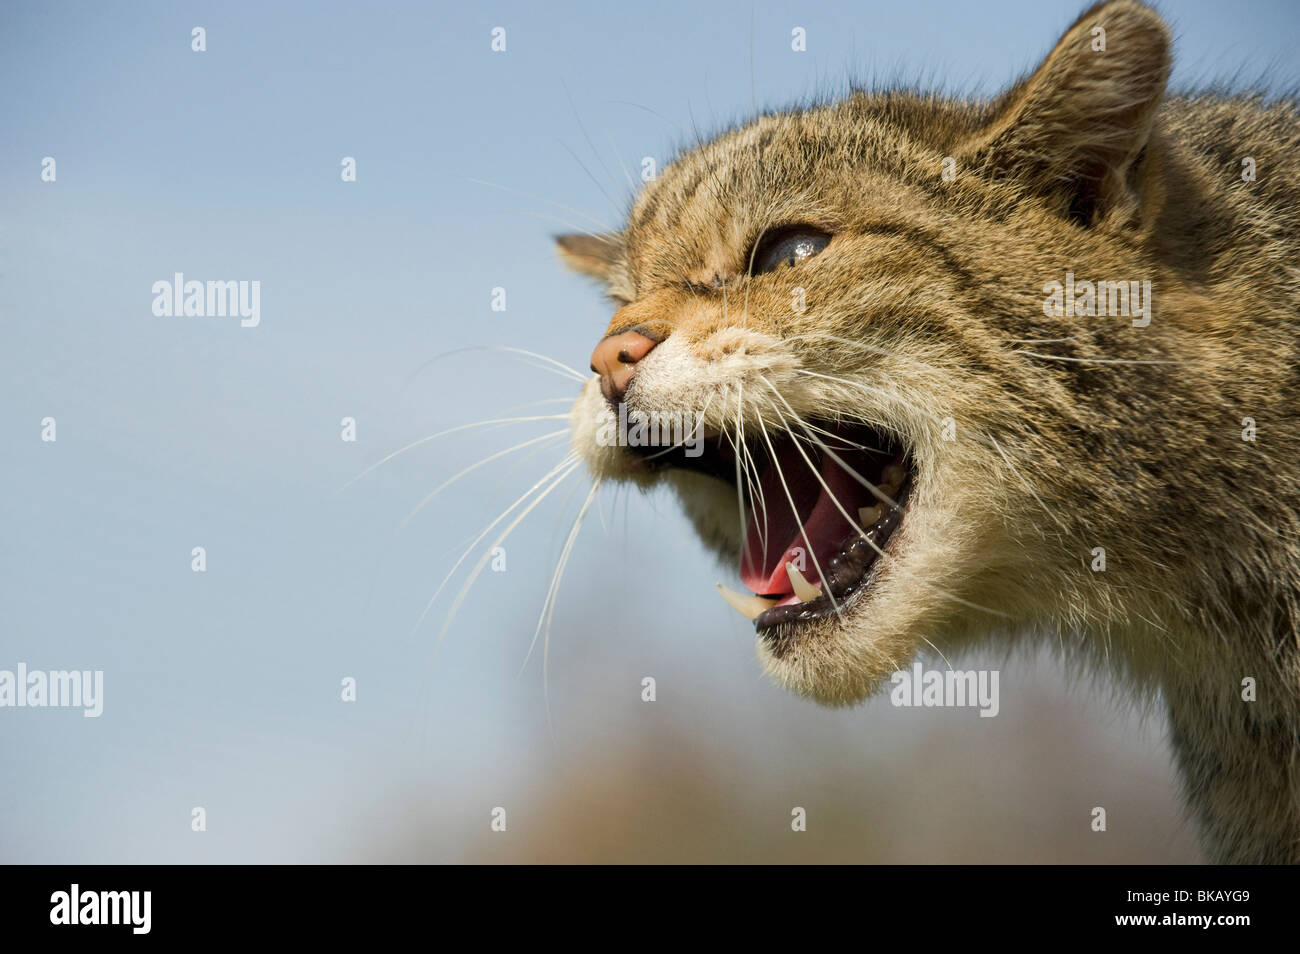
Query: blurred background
{"type": "Point", "coordinates": [222, 688]}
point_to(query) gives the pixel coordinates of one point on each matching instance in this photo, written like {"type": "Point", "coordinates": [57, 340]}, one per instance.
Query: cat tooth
{"type": "Point", "coordinates": [802, 588]}
{"type": "Point", "coordinates": [892, 478]}
{"type": "Point", "coordinates": [869, 515]}
{"type": "Point", "coordinates": [747, 606]}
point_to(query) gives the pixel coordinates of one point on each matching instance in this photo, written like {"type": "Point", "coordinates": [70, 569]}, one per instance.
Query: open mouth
{"type": "Point", "coordinates": [820, 514]}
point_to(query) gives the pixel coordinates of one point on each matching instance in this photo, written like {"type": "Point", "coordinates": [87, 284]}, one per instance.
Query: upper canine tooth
{"type": "Point", "coordinates": [747, 606]}
{"type": "Point", "coordinates": [802, 588]}
{"type": "Point", "coordinates": [869, 515]}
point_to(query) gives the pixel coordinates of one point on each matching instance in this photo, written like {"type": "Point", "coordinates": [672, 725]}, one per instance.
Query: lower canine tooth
{"type": "Point", "coordinates": [747, 606]}
{"type": "Point", "coordinates": [869, 515]}
{"type": "Point", "coordinates": [802, 588]}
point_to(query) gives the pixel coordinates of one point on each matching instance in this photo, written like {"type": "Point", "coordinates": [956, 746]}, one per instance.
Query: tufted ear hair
{"type": "Point", "coordinates": [1077, 130]}
{"type": "Point", "coordinates": [595, 255]}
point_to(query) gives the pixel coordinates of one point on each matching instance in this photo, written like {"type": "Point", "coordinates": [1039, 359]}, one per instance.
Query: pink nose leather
{"type": "Point", "coordinates": [615, 361]}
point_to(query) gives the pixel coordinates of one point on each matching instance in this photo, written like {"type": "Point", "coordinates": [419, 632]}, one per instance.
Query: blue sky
{"type": "Point", "coordinates": [222, 687]}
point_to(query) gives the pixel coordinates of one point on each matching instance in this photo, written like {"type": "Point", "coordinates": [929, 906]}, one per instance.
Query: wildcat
{"type": "Point", "coordinates": [919, 441]}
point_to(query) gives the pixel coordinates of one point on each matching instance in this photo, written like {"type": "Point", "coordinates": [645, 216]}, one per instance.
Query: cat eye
{"type": "Point", "coordinates": [787, 245]}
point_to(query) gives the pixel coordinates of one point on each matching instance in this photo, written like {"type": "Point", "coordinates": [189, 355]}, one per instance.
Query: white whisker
{"type": "Point", "coordinates": [632, 187]}
{"type": "Point", "coordinates": [570, 461]}
{"type": "Point", "coordinates": [548, 607]}
{"type": "Point", "coordinates": [451, 430]}
{"type": "Point", "coordinates": [473, 467]}
{"type": "Point", "coordinates": [487, 555]}
{"type": "Point", "coordinates": [861, 346]}
{"type": "Point", "coordinates": [1057, 357]}
{"type": "Point", "coordinates": [754, 483]}
{"type": "Point", "coordinates": [1030, 487]}
{"type": "Point", "coordinates": [567, 223]}
{"type": "Point", "coordinates": [882, 496]}
{"type": "Point", "coordinates": [551, 365]}
{"type": "Point", "coordinates": [686, 435]}
{"type": "Point", "coordinates": [881, 393]}
{"type": "Point", "coordinates": [537, 198]}
{"type": "Point", "coordinates": [826, 587]}
{"type": "Point", "coordinates": [1036, 340]}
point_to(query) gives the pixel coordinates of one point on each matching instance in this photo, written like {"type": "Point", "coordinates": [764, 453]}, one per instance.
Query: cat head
{"type": "Point", "coordinates": [826, 341]}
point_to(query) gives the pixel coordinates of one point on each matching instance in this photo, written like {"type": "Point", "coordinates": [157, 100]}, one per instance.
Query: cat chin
{"type": "Point", "coordinates": [843, 660]}
{"type": "Point", "coordinates": [839, 663]}
{"type": "Point", "coordinates": [836, 661]}
{"type": "Point", "coordinates": [938, 591]}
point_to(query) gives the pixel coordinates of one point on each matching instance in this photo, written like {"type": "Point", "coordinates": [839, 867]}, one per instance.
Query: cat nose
{"type": "Point", "coordinates": [615, 360]}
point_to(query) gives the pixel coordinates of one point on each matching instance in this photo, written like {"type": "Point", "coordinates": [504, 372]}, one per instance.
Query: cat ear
{"type": "Point", "coordinates": [1075, 131]}
{"type": "Point", "coordinates": [594, 255]}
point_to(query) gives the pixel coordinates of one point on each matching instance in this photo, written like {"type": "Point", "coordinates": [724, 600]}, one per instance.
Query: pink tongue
{"type": "Point", "coordinates": [825, 527]}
